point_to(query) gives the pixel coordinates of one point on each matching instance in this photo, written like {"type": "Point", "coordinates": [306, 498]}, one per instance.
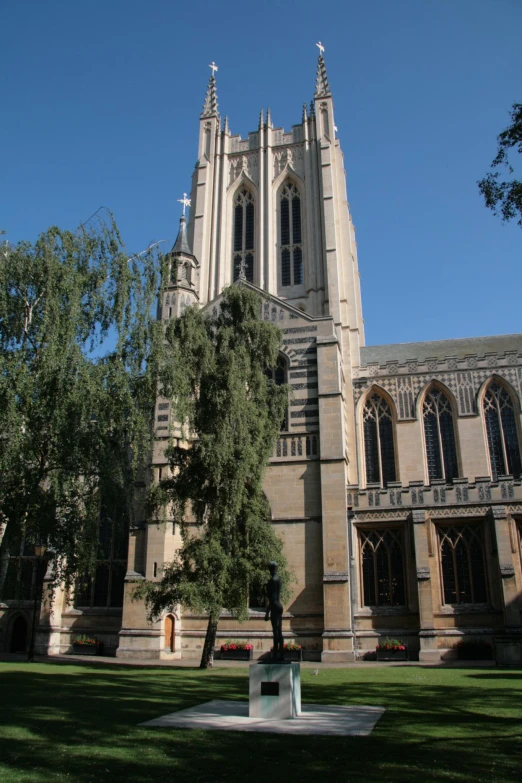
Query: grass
{"type": "Point", "coordinates": [79, 724]}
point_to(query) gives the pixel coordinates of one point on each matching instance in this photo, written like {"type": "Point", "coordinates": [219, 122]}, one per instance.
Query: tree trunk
{"type": "Point", "coordinates": [207, 656]}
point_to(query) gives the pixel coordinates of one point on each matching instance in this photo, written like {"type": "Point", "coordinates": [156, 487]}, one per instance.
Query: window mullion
{"type": "Point", "coordinates": [455, 573]}
{"type": "Point", "coordinates": [470, 572]}
{"type": "Point", "coordinates": [243, 238]}
{"type": "Point", "coordinates": [378, 421]}
{"type": "Point", "coordinates": [502, 439]}
{"type": "Point", "coordinates": [439, 435]}
{"type": "Point", "coordinates": [389, 580]}
{"type": "Point", "coordinates": [375, 576]}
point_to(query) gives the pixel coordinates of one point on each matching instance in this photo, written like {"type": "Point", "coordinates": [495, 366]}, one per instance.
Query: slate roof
{"type": "Point", "coordinates": [181, 244]}
{"type": "Point", "coordinates": [440, 349]}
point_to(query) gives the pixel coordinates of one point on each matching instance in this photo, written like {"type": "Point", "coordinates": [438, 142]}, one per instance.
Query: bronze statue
{"type": "Point", "coordinates": [274, 611]}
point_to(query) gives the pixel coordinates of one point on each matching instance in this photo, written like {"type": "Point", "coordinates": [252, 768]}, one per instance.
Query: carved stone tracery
{"type": "Point", "coordinates": [404, 388]}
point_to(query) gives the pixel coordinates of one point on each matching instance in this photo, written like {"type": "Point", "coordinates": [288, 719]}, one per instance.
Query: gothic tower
{"type": "Point", "coordinates": [272, 210]}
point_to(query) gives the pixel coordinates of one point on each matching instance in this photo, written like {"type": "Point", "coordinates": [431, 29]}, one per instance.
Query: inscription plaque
{"type": "Point", "coordinates": [269, 689]}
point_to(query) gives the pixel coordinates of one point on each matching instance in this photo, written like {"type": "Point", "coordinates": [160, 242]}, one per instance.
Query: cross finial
{"type": "Point", "coordinates": [185, 201]}
{"type": "Point", "coordinates": [320, 47]}
{"type": "Point", "coordinates": [213, 67]}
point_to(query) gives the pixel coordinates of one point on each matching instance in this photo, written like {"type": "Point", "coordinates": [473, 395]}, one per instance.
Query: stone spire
{"type": "Point", "coordinates": [261, 118]}
{"type": "Point", "coordinates": [181, 244]}
{"type": "Point", "coordinates": [322, 88]}
{"type": "Point", "coordinates": [210, 107]}
{"type": "Point", "coordinates": [304, 115]}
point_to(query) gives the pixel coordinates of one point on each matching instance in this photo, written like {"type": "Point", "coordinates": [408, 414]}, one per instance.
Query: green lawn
{"type": "Point", "coordinates": [79, 723]}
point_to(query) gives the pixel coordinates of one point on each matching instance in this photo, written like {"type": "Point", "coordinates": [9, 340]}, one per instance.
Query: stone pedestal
{"type": "Point", "coordinates": [274, 691]}
{"type": "Point", "coordinates": [508, 650]}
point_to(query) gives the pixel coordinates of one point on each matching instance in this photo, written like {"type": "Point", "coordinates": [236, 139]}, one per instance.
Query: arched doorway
{"type": "Point", "coordinates": [169, 633]}
{"type": "Point", "coordinates": [19, 635]}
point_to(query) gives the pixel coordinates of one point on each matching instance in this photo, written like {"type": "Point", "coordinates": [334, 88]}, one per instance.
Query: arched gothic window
{"type": "Point", "coordinates": [441, 451]}
{"type": "Point", "coordinates": [243, 240]}
{"type": "Point", "coordinates": [501, 428]}
{"type": "Point", "coordinates": [104, 588]}
{"type": "Point", "coordinates": [277, 374]}
{"type": "Point", "coordinates": [462, 565]}
{"type": "Point", "coordinates": [379, 448]}
{"type": "Point", "coordinates": [291, 236]}
{"type": "Point", "coordinates": [382, 566]}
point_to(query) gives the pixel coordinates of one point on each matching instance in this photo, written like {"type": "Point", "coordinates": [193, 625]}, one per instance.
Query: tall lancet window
{"type": "Point", "coordinates": [379, 449]}
{"type": "Point", "coordinates": [243, 240]}
{"type": "Point", "coordinates": [501, 427]}
{"type": "Point", "coordinates": [441, 452]}
{"type": "Point", "coordinates": [291, 236]}
{"type": "Point", "coordinates": [278, 375]}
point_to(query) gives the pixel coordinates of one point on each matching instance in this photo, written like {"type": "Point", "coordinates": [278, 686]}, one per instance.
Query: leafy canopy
{"type": "Point", "coordinates": [79, 351]}
{"type": "Point", "coordinates": [505, 197]}
{"type": "Point", "coordinates": [215, 374]}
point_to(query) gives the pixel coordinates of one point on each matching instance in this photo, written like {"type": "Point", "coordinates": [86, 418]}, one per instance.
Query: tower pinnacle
{"type": "Point", "coordinates": [210, 107]}
{"type": "Point", "coordinates": [181, 244]}
{"type": "Point", "coordinates": [322, 88]}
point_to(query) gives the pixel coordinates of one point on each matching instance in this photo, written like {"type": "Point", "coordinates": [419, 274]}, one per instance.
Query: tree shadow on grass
{"type": "Point", "coordinates": [80, 724]}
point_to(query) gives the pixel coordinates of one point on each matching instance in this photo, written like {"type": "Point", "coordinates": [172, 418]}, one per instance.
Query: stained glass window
{"type": "Point", "coordinates": [244, 235]}
{"type": "Point", "coordinates": [25, 572]}
{"type": "Point", "coordinates": [382, 567]}
{"type": "Point", "coordinates": [462, 565]}
{"type": "Point", "coordinates": [291, 236]}
{"type": "Point", "coordinates": [501, 428]}
{"type": "Point", "coordinates": [104, 588]}
{"type": "Point", "coordinates": [379, 449]}
{"type": "Point", "coordinates": [441, 451]}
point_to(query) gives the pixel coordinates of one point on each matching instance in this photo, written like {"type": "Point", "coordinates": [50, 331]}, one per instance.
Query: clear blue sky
{"type": "Point", "coordinates": [100, 104]}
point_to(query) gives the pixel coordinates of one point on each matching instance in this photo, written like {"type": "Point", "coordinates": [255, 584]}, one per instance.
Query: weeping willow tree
{"type": "Point", "coordinates": [231, 412]}
{"type": "Point", "coordinates": [79, 352]}
{"type": "Point", "coordinates": [504, 197]}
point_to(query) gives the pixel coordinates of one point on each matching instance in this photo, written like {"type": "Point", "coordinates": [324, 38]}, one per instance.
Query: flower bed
{"type": "Point", "coordinates": [293, 652]}
{"type": "Point", "coordinates": [87, 645]}
{"type": "Point", "coordinates": [236, 651]}
{"type": "Point", "coordinates": [391, 650]}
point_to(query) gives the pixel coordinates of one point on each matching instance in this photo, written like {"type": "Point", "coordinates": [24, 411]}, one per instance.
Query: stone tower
{"type": "Point", "coordinates": [272, 210]}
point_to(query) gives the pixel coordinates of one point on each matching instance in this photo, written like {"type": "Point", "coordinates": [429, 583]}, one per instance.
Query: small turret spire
{"type": "Point", "coordinates": [322, 88]}
{"type": "Point", "coordinates": [226, 129]}
{"type": "Point", "coordinates": [268, 119]}
{"type": "Point", "coordinates": [181, 244]}
{"type": "Point", "coordinates": [210, 107]}
{"type": "Point", "coordinates": [261, 118]}
{"type": "Point", "coordinates": [304, 116]}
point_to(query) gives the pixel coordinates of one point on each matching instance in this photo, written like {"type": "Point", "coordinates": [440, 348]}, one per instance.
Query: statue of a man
{"type": "Point", "coordinates": [274, 611]}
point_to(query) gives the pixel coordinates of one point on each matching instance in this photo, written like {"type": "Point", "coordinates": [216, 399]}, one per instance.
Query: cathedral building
{"type": "Point", "coordinates": [395, 482]}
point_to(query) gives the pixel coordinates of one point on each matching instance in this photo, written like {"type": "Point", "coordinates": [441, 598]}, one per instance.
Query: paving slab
{"type": "Point", "coordinates": [353, 721]}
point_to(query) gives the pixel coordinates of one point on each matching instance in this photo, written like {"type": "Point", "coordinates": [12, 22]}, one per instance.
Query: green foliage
{"type": "Point", "coordinates": [75, 415]}
{"type": "Point", "coordinates": [505, 197]}
{"type": "Point", "coordinates": [232, 412]}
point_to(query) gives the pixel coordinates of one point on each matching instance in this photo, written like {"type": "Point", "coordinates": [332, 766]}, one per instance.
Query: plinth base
{"type": "Point", "coordinates": [315, 719]}
{"type": "Point", "coordinates": [274, 691]}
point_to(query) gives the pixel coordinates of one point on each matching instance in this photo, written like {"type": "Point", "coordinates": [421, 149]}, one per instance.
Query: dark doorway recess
{"type": "Point", "coordinates": [19, 635]}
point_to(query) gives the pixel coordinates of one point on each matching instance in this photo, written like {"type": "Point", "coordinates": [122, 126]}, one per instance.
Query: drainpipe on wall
{"type": "Point", "coordinates": [353, 581]}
